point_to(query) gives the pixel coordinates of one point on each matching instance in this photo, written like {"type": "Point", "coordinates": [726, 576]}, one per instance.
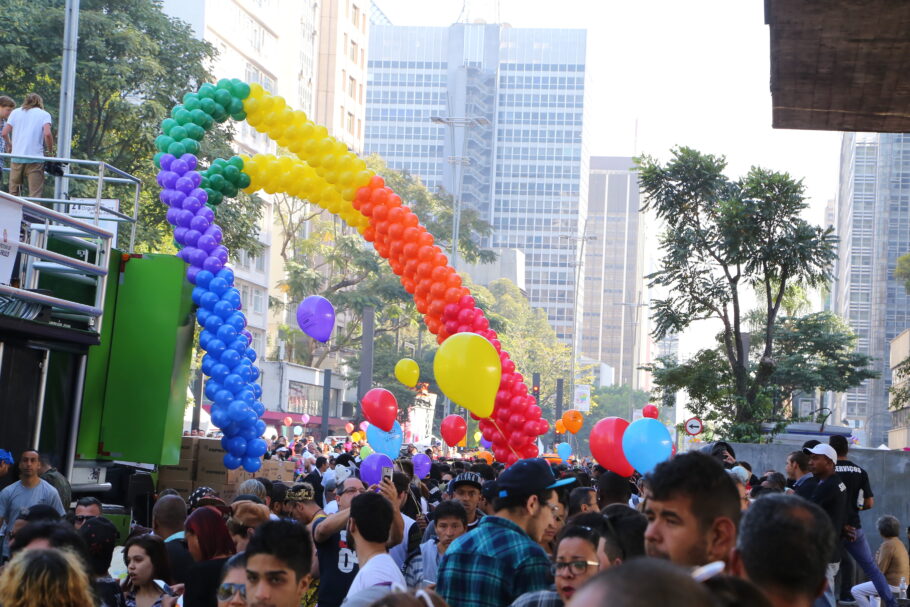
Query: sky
{"type": "Point", "coordinates": [665, 73]}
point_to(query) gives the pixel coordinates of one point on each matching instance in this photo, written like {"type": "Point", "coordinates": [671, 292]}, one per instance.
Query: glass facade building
{"type": "Point", "coordinates": [873, 227]}
{"type": "Point", "coordinates": [493, 115]}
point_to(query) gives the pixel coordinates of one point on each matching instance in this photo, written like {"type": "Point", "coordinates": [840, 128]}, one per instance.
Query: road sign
{"type": "Point", "coordinates": [694, 426]}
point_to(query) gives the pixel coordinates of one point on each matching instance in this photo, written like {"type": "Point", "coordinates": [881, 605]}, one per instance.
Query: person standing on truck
{"type": "Point", "coordinates": [25, 493]}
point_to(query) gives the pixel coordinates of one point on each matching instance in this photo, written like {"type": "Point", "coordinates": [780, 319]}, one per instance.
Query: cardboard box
{"type": "Point", "coordinates": [277, 470]}
{"type": "Point", "coordinates": [184, 471]}
{"type": "Point", "coordinates": [184, 488]}
{"type": "Point", "coordinates": [227, 492]}
{"type": "Point", "coordinates": [215, 475]}
{"type": "Point", "coordinates": [209, 450]}
{"type": "Point", "coordinates": [189, 448]}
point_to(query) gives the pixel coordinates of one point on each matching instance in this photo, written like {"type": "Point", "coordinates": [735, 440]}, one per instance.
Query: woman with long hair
{"type": "Point", "coordinates": [148, 571]}
{"type": "Point", "coordinates": [45, 577]}
{"type": "Point", "coordinates": [210, 545]}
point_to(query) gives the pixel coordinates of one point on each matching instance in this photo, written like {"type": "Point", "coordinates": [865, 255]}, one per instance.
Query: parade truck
{"type": "Point", "coordinates": [95, 339]}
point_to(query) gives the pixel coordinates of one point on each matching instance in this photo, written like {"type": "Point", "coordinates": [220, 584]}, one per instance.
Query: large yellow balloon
{"type": "Point", "coordinates": [468, 371]}
{"type": "Point", "coordinates": [407, 372]}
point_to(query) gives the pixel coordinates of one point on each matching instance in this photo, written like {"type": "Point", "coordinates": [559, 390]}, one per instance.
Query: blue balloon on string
{"type": "Point", "coordinates": [388, 443]}
{"type": "Point", "coordinates": [646, 443]}
{"type": "Point", "coordinates": [564, 451]}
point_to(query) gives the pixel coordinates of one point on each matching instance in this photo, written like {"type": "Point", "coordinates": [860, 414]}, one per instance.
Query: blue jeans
{"type": "Point", "coordinates": [828, 598]}
{"type": "Point", "coordinates": [859, 550]}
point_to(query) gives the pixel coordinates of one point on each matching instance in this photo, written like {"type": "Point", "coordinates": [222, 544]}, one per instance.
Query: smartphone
{"type": "Point", "coordinates": [387, 473]}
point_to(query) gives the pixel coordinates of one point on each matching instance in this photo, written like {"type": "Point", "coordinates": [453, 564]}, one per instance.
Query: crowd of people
{"type": "Point", "coordinates": [701, 529]}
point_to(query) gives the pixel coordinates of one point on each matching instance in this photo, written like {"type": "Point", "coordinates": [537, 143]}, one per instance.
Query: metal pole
{"type": "Point", "coordinates": [559, 388]}
{"type": "Point", "coordinates": [326, 401]}
{"type": "Point", "coordinates": [365, 381]}
{"type": "Point", "coordinates": [67, 90]}
{"type": "Point", "coordinates": [197, 397]}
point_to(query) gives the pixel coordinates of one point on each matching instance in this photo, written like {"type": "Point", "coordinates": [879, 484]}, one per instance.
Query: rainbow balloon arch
{"type": "Point", "coordinates": [323, 171]}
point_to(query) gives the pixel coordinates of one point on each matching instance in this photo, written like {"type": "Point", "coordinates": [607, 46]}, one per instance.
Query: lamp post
{"type": "Point", "coordinates": [579, 262]}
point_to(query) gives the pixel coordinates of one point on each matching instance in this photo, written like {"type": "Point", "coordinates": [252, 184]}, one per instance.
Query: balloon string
{"type": "Point", "coordinates": [505, 438]}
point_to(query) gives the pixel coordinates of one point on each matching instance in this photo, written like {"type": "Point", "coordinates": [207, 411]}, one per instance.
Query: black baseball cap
{"type": "Point", "coordinates": [466, 478]}
{"type": "Point", "coordinates": [529, 476]}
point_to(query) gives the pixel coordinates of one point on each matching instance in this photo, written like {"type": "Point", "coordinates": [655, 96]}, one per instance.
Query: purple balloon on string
{"type": "Point", "coordinates": [248, 335]}
{"type": "Point", "coordinates": [421, 463]}
{"type": "Point", "coordinates": [316, 317]}
{"type": "Point", "coordinates": [485, 443]}
{"type": "Point", "coordinates": [371, 468]}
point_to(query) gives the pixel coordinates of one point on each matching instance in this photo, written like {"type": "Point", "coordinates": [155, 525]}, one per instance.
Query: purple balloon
{"type": "Point", "coordinates": [191, 273]}
{"type": "Point", "coordinates": [171, 216]}
{"type": "Point", "coordinates": [206, 242]}
{"type": "Point", "coordinates": [200, 194]}
{"type": "Point", "coordinates": [190, 160]}
{"type": "Point", "coordinates": [179, 167]}
{"type": "Point", "coordinates": [421, 463]}
{"type": "Point", "coordinates": [371, 468]}
{"type": "Point", "coordinates": [207, 214]}
{"type": "Point", "coordinates": [167, 179]}
{"type": "Point", "coordinates": [184, 218]}
{"type": "Point", "coordinates": [166, 161]}
{"type": "Point", "coordinates": [248, 335]}
{"type": "Point", "coordinates": [215, 232]}
{"type": "Point", "coordinates": [191, 237]}
{"type": "Point", "coordinates": [316, 317]}
{"type": "Point", "coordinates": [195, 256]}
{"type": "Point", "coordinates": [485, 443]}
{"type": "Point", "coordinates": [180, 235]}
{"type": "Point", "coordinates": [183, 184]}
{"type": "Point", "coordinates": [199, 223]}
{"type": "Point", "coordinates": [192, 204]}
{"type": "Point", "coordinates": [221, 253]}
{"type": "Point", "coordinates": [212, 264]}
{"type": "Point", "coordinates": [177, 198]}
{"type": "Point", "coordinates": [195, 177]}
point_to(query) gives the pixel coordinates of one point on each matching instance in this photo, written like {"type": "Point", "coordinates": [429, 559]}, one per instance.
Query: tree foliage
{"type": "Point", "coordinates": [609, 401]}
{"type": "Point", "coordinates": [722, 236]}
{"type": "Point", "coordinates": [134, 63]}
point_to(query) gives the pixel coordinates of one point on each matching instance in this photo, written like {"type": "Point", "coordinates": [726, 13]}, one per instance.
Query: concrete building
{"type": "Point", "coordinates": [873, 227]}
{"type": "Point", "coordinates": [510, 263]}
{"type": "Point", "coordinates": [494, 115]}
{"type": "Point", "coordinates": [614, 303]}
{"type": "Point", "coordinates": [899, 434]}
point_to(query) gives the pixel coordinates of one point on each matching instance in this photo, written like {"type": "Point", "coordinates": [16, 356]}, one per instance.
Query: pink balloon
{"type": "Point", "coordinates": [305, 418]}
{"type": "Point", "coordinates": [364, 425]}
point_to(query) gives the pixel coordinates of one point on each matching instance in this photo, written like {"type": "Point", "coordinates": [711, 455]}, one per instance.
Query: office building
{"type": "Point", "coordinates": [873, 228]}
{"type": "Point", "coordinates": [614, 305]}
{"type": "Point", "coordinates": [494, 115]}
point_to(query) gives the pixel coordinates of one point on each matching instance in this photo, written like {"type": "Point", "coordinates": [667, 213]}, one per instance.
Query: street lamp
{"type": "Point", "coordinates": [457, 162]}
{"type": "Point", "coordinates": [579, 262]}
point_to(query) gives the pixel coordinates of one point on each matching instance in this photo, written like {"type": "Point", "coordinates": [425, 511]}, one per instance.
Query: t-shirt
{"type": "Point", "coordinates": [337, 567]}
{"type": "Point", "coordinates": [380, 570]}
{"type": "Point", "coordinates": [17, 497]}
{"type": "Point", "coordinates": [28, 132]}
{"type": "Point", "coordinates": [856, 480]}
{"type": "Point", "coordinates": [831, 496]}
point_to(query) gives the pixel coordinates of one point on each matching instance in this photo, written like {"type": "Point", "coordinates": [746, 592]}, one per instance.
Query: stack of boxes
{"type": "Point", "coordinates": [202, 465]}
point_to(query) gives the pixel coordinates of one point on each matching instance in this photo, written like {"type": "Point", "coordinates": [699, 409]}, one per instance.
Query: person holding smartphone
{"type": "Point", "coordinates": [148, 572]}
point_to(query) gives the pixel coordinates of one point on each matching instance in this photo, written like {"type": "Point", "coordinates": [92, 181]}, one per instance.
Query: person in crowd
{"type": "Point", "coordinates": [830, 494]}
{"type": "Point", "coordinates": [314, 478]}
{"type": "Point", "coordinates": [693, 509]}
{"type": "Point", "coordinates": [419, 598]}
{"type": "Point", "coordinates": [730, 591]}
{"type": "Point", "coordinates": [278, 505]}
{"type": "Point", "coordinates": [86, 508]}
{"type": "Point", "coordinates": [245, 518]}
{"type": "Point", "coordinates": [643, 582]}
{"type": "Point", "coordinates": [802, 481]}
{"type": "Point", "coordinates": [784, 546]}
{"type": "Point", "coordinates": [269, 491]}
{"type": "Point", "coordinates": [232, 585]}
{"type": "Point", "coordinates": [6, 458]}
{"type": "Point", "coordinates": [45, 578]}
{"type": "Point", "coordinates": [100, 537]}
{"type": "Point", "coordinates": [148, 572]}
{"type": "Point", "coordinates": [422, 566]}
{"type": "Point", "coordinates": [548, 539]}
{"type": "Point", "coordinates": [254, 486]}
{"type": "Point", "coordinates": [39, 513]}
{"type": "Point", "coordinates": [210, 545]}
{"type": "Point", "coordinates": [575, 563]}
{"type": "Point", "coordinates": [331, 500]}
{"type": "Point", "coordinates": [28, 132]}
{"type": "Point", "coordinates": [613, 489]}
{"type": "Point", "coordinates": [891, 559]}
{"type": "Point", "coordinates": [722, 452]}
{"type": "Point", "coordinates": [199, 494]}
{"type": "Point", "coordinates": [369, 525]}
{"type": "Point", "coordinates": [278, 562]}
{"type": "Point", "coordinates": [169, 523]}
{"type": "Point", "coordinates": [501, 559]}
{"type": "Point", "coordinates": [740, 489]}
{"type": "Point", "coordinates": [6, 107]}
{"type": "Point", "coordinates": [412, 531]}
{"type": "Point", "coordinates": [853, 539]}
{"type": "Point", "coordinates": [624, 538]}
{"type": "Point", "coordinates": [334, 546]}
{"type": "Point", "coordinates": [49, 473]}
{"type": "Point", "coordinates": [301, 503]}
{"type": "Point", "coordinates": [582, 499]}
{"type": "Point", "coordinates": [29, 490]}
{"type": "Point", "coordinates": [466, 488]}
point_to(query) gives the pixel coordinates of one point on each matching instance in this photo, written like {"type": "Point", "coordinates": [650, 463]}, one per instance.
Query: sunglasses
{"type": "Point", "coordinates": [81, 518]}
{"type": "Point", "coordinates": [228, 590]}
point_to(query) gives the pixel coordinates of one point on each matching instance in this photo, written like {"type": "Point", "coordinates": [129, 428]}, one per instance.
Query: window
{"type": "Point", "coordinates": [245, 297]}
{"type": "Point", "coordinates": [355, 15]}
{"type": "Point", "coordinates": [353, 51]}
{"type": "Point", "coordinates": [352, 88]}
{"type": "Point", "coordinates": [260, 263]}
{"type": "Point", "coordinates": [257, 301]}
{"type": "Point", "coordinates": [350, 123]}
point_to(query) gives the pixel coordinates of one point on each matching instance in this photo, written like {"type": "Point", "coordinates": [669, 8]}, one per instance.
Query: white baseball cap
{"type": "Point", "coordinates": [823, 449]}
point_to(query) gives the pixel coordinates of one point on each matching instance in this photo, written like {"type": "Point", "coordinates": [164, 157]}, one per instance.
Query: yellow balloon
{"type": "Point", "coordinates": [407, 372]}
{"type": "Point", "coordinates": [468, 371]}
{"type": "Point", "coordinates": [356, 436]}
{"type": "Point", "coordinates": [477, 437]}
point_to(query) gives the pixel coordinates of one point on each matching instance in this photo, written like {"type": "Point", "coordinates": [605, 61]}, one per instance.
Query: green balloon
{"type": "Point", "coordinates": [235, 106]}
{"type": "Point", "coordinates": [163, 142]}
{"type": "Point", "coordinates": [225, 84]}
{"type": "Point", "coordinates": [183, 116]}
{"type": "Point", "coordinates": [204, 184]}
{"type": "Point", "coordinates": [206, 91]}
{"type": "Point", "coordinates": [219, 115]}
{"type": "Point", "coordinates": [178, 132]}
{"type": "Point", "coordinates": [231, 173]}
{"type": "Point", "coordinates": [167, 124]}
{"type": "Point", "coordinates": [241, 90]}
{"type": "Point", "coordinates": [223, 97]}
{"type": "Point", "coordinates": [217, 182]}
{"type": "Point", "coordinates": [177, 108]}
{"type": "Point", "coordinates": [194, 131]}
{"type": "Point", "coordinates": [208, 122]}
{"type": "Point", "coordinates": [229, 190]}
{"type": "Point", "coordinates": [244, 181]}
{"type": "Point", "coordinates": [216, 197]}
{"type": "Point", "coordinates": [199, 117]}
{"type": "Point", "coordinates": [207, 105]}
{"type": "Point", "coordinates": [176, 149]}
{"type": "Point", "coordinates": [157, 159]}
{"type": "Point", "coordinates": [236, 161]}
{"type": "Point", "coordinates": [219, 162]}
{"type": "Point", "coordinates": [190, 145]}
{"type": "Point", "coordinates": [211, 206]}
{"type": "Point", "coordinates": [191, 104]}
{"type": "Point", "coordinates": [239, 116]}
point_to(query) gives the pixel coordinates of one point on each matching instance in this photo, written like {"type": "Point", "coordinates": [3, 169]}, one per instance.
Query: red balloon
{"type": "Point", "coordinates": [606, 445]}
{"type": "Point", "coordinates": [453, 429]}
{"type": "Point", "coordinates": [287, 421]}
{"type": "Point", "coordinates": [650, 411]}
{"type": "Point", "coordinates": [380, 408]}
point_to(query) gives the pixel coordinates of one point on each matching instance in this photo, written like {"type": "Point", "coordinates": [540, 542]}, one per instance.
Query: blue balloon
{"type": "Point", "coordinates": [223, 397]}
{"type": "Point", "coordinates": [238, 344]}
{"type": "Point", "coordinates": [208, 361]}
{"type": "Point", "coordinates": [254, 374]}
{"type": "Point", "coordinates": [250, 418]}
{"type": "Point", "coordinates": [211, 389]}
{"type": "Point", "coordinates": [257, 389]}
{"type": "Point", "coordinates": [224, 309]}
{"type": "Point", "coordinates": [237, 409]}
{"type": "Point", "coordinates": [231, 358]}
{"type": "Point", "coordinates": [231, 429]}
{"type": "Point", "coordinates": [203, 278]}
{"type": "Point", "coordinates": [250, 354]}
{"type": "Point", "coordinates": [201, 315]}
{"type": "Point", "coordinates": [646, 443]}
{"type": "Point", "coordinates": [564, 450]}
{"type": "Point", "coordinates": [233, 383]}
{"type": "Point", "coordinates": [219, 371]}
{"type": "Point", "coordinates": [227, 274]}
{"type": "Point", "coordinates": [208, 300]}
{"type": "Point", "coordinates": [260, 425]}
{"type": "Point", "coordinates": [236, 320]}
{"type": "Point", "coordinates": [231, 462]}
{"type": "Point", "coordinates": [249, 432]}
{"type": "Point", "coordinates": [256, 447]}
{"type": "Point", "coordinates": [259, 408]}
{"type": "Point", "coordinates": [217, 285]}
{"type": "Point", "coordinates": [388, 443]}
{"type": "Point", "coordinates": [197, 293]}
{"type": "Point", "coordinates": [216, 347]}
{"type": "Point", "coordinates": [244, 371]}
{"type": "Point", "coordinates": [227, 333]}
{"type": "Point", "coordinates": [213, 321]}
{"type": "Point", "coordinates": [252, 464]}
{"type": "Point", "coordinates": [232, 296]}
{"type": "Point", "coordinates": [204, 338]}
{"type": "Point", "coordinates": [220, 416]}
{"type": "Point", "coordinates": [226, 443]}
{"type": "Point", "coordinates": [246, 395]}
{"type": "Point", "coordinates": [237, 446]}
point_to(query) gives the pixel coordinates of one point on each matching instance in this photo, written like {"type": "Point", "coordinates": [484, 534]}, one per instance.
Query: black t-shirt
{"type": "Point", "coordinates": [856, 479]}
{"type": "Point", "coordinates": [202, 583]}
{"type": "Point", "coordinates": [831, 496]}
{"type": "Point", "coordinates": [337, 568]}
{"type": "Point", "coordinates": [806, 488]}
{"type": "Point", "coordinates": [180, 559]}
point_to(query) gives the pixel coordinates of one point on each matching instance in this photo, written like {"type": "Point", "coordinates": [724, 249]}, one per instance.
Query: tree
{"type": "Point", "coordinates": [722, 236]}
{"type": "Point", "coordinates": [610, 401]}
{"type": "Point", "coordinates": [900, 391]}
{"type": "Point", "coordinates": [134, 63]}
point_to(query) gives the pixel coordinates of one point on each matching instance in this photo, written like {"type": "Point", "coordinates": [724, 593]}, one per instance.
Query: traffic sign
{"type": "Point", "coordinates": [694, 426]}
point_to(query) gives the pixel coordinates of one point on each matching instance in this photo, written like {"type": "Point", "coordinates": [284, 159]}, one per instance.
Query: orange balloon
{"type": "Point", "coordinates": [486, 455]}
{"type": "Point", "coordinates": [573, 420]}
{"type": "Point", "coordinates": [349, 427]}
{"type": "Point", "coordinates": [560, 427]}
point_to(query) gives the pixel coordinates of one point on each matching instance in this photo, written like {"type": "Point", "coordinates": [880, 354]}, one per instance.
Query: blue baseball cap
{"type": "Point", "coordinates": [6, 457]}
{"type": "Point", "coordinates": [528, 476]}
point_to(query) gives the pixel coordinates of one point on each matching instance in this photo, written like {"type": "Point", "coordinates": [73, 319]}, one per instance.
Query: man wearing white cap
{"type": "Point", "coordinates": [831, 495]}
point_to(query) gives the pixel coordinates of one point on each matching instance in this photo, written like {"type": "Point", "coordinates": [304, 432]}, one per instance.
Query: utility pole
{"type": "Point", "coordinates": [67, 90]}
{"type": "Point", "coordinates": [365, 381]}
{"type": "Point", "coordinates": [579, 263]}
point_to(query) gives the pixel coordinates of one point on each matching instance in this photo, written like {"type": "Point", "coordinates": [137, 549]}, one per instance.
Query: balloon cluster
{"type": "Point", "coordinates": [228, 361]}
{"type": "Point", "coordinates": [624, 448]}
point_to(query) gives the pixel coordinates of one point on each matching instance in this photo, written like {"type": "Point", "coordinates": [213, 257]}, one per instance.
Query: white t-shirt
{"type": "Point", "coordinates": [28, 131]}
{"type": "Point", "coordinates": [380, 570]}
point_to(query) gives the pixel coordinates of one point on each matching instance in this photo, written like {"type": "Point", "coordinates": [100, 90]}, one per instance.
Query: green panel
{"type": "Point", "coordinates": [96, 370]}
{"type": "Point", "coordinates": [149, 362]}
